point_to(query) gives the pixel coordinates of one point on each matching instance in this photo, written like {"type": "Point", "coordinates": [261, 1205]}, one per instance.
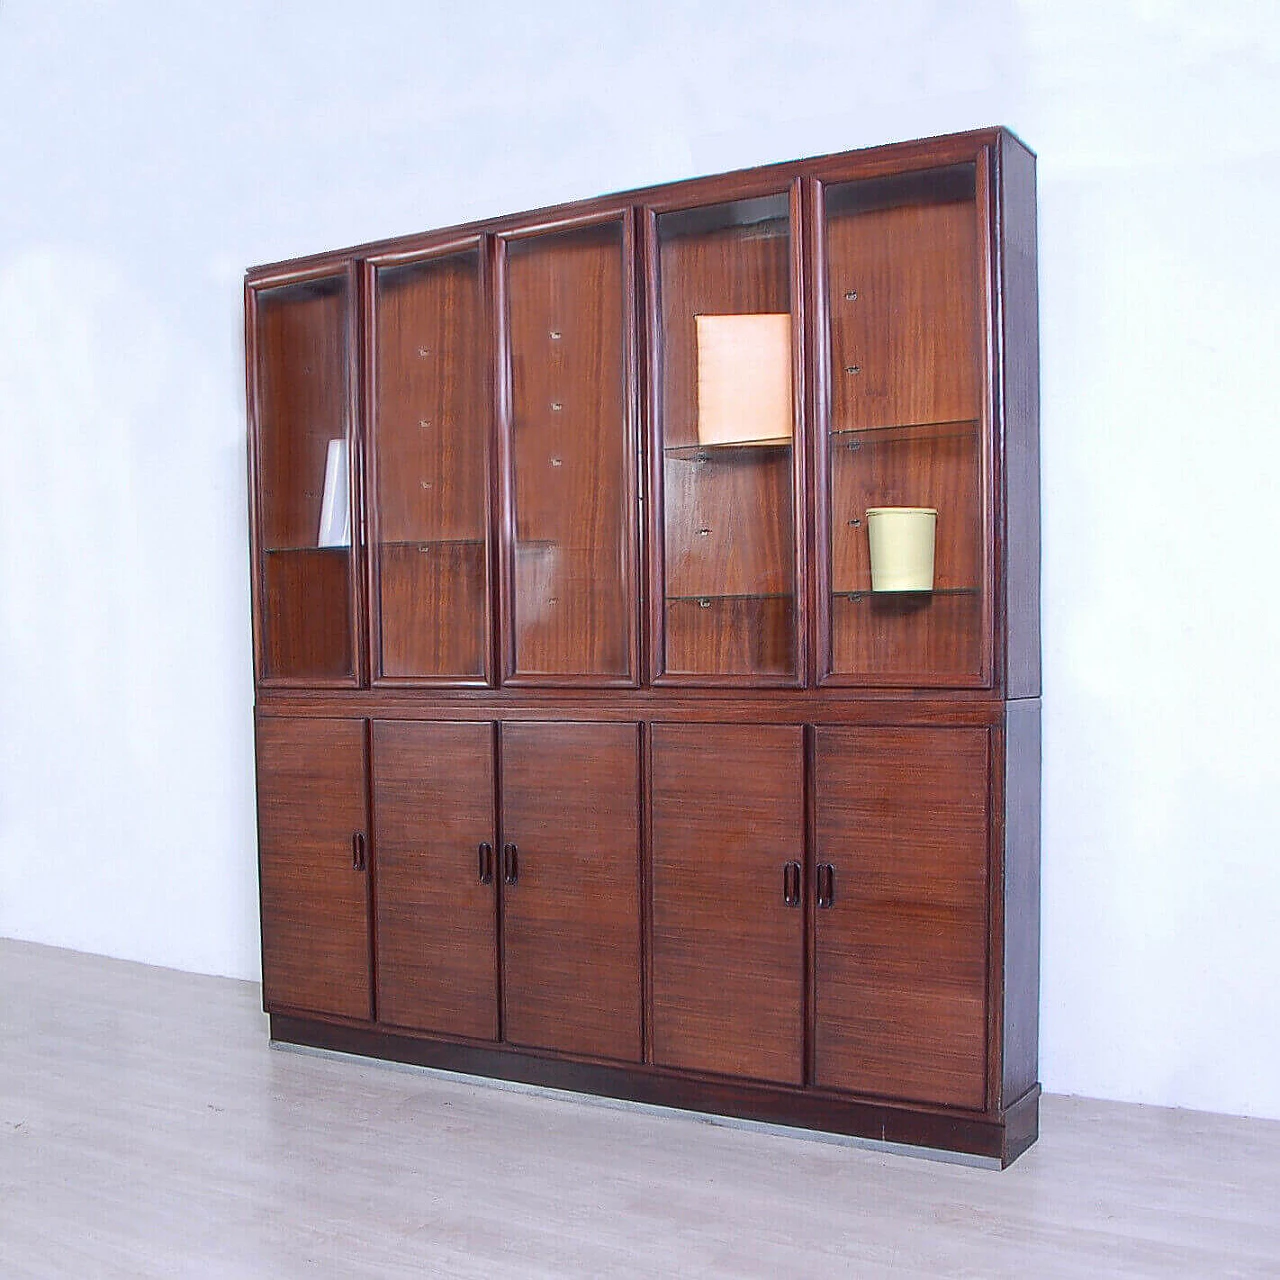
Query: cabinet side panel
{"type": "Point", "coordinates": [315, 902]}
{"type": "Point", "coordinates": [437, 904]}
{"type": "Point", "coordinates": [1021, 900]}
{"type": "Point", "coordinates": [1020, 338]}
{"type": "Point", "coordinates": [571, 907]}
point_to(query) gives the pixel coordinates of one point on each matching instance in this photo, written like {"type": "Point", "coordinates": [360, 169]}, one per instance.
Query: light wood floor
{"type": "Point", "coordinates": [146, 1129]}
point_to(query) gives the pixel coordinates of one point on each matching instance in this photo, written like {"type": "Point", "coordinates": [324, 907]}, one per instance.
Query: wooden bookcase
{"type": "Point", "coordinates": [593, 756]}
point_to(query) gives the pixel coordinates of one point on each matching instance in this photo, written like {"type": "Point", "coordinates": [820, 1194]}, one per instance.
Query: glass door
{"type": "Point", "coordinates": [569, 456]}
{"type": "Point", "coordinates": [726, 551]}
{"type": "Point", "coordinates": [904, 460]}
{"type": "Point", "coordinates": [430, 422]}
{"type": "Point", "coordinates": [303, 484]}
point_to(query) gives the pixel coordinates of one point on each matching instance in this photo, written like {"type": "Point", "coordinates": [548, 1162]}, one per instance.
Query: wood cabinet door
{"type": "Point", "coordinates": [571, 888]}
{"type": "Point", "coordinates": [433, 827]}
{"type": "Point", "coordinates": [728, 928]}
{"type": "Point", "coordinates": [901, 951]}
{"type": "Point", "coordinates": [312, 866]}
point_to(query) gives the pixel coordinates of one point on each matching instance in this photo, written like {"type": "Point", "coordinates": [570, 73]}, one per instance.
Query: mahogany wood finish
{"type": "Point", "coordinates": [434, 834]}
{"type": "Point", "coordinates": [570, 871]}
{"type": "Point", "coordinates": [569, 455]}
{"type": "Point", "coordinates": [313, 866]}
{"type": "Point", "coordinates": [728, 897]}
{"type": "Point", "coordinates": [430, 427]}
{"type": "Point", "coordinates": [903, 344]}
{"type": "Point", "coordinates": [762, 840]}
{"type": "Point", "coordinates": [901, 898]}
{"type": "Point", "coordinates": [728, 539]}
{"type": "Point", "coordinates": [300, 350]}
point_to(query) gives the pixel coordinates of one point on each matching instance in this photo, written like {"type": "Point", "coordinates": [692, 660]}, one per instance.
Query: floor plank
{"type": "Point", "coordinates": [147, 1129]}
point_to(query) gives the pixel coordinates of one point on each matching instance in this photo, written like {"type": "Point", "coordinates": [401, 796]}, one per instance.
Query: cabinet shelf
{"type": "Point", "coordinates": [896, 595]}
{"type": "Point", "coordinates": [906, 431]}
{"type": "Point", "coordinates": [725, 452]}
{"type": "Point", "coordinates": [745, 595]}
{"type": "Point", "coordinates": [429, 544]}
{"type": "Point", "coordinates": [308, 551]}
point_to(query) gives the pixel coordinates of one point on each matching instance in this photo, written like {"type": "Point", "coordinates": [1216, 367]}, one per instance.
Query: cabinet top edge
{"type": "Point", "coordinates": [933, 149]}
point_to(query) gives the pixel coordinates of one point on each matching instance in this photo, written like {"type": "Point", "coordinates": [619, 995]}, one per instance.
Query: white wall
{"type": "Point", "coordinates": [149, 152]}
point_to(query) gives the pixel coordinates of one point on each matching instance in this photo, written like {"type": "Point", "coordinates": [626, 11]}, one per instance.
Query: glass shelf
{"type": "Point", "coordinates": [725, 452]}
{"type": "Point", "coordinates": [709, 596]}
{"type": "Point", "coordinates": [908, 430]}
{"type": "Point", "coordinates": [868, 594]}
{"type": "Point", "coordinates": [427, 544]}
{"type": "Point", "coordinates": [326, 551]}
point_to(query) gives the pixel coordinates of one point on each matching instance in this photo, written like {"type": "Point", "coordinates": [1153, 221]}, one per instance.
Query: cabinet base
{"type": "Point", "coordinates": [1001, 1138]}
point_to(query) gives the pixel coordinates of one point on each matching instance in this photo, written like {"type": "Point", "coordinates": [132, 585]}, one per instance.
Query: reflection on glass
{"type": "Point", "coordinates": [566, 321]}
{"type": "Point", "coordinates": [302, 343]}
{"type": "Point", "coordinates": [727, 414]}
{"type": "Point", "coordinates": [430, 438]}
{"type": "Point", "coordinates": [905, 376]}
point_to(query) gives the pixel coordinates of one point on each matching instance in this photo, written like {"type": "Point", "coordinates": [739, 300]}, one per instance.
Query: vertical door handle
{"type": "Point", "coordinates": [791, 883]}
{"type": "Point", "coordinates": [825, 886]}
{"type": "Point", "coordinates": [358, 857]}
{"type": "Point", "coordinates": [510, 864]}
{"type": "Point", "coordinates": [486, 863]}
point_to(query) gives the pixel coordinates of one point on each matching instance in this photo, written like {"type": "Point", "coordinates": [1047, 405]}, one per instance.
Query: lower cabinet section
{"type": "Point", "coordinates": [779, 921]}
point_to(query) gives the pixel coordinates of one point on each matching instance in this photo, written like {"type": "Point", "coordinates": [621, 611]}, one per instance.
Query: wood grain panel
{"type": "Point", "coordinates": [930, 467]}
{"type": "Point", "coordinates": [727, 520]}
{"type": "Point", "coordinates": [908, 639]}
{"type": "Point", "coordinates": [315, 903]}
{"type": "Point", "coordinates": [902, 276]}
{"type": "Point", "coordinates": [731, 635]}
{"type": "Point", "coordinates": [433, 806]}
{"type": "Point", "coordinates": [728, 952]}
{"type": "Point", "coordinates": [433, 608]}
{"type": "Point", "coordinates": [431, 427]}
{"type": "Point", "coordinates": [571, 922]}
{"type": "Point", "coordinates": [717, 543]}
{"type": "Point", "coordinates": [901, 957]}
{"type": "Point", "coordinates": [571, 474]}
{"type": "Point", "coordinates": [302, 349]}
{"type": "Point", "coordinates": [307, 612]}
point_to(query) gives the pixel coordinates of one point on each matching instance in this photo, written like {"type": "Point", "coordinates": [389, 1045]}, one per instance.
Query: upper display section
{"type": "Point", "coordinates": [430, 427]}
{"type": "Point", "coordinates": [907, 465]}
{"type": "Point", "coordinates": [569, 456]}
{"type": "Point", "coordinates": [772, 429]}
{"type": "Point", "coordinates": [300, 382]}
{"type": "Point", "coordinates": [727, 341]}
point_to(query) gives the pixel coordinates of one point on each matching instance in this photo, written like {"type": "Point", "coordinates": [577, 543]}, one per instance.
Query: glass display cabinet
{"type": "Point", "coordinates": [299, 335]}
{"type": "Point", "coordinates": [903, 357]}
{"type": "Point", "coordinates": [646, 622]}
{"type": "Point", "coordinates": [728, 558]}
{"type": "Point", "coordinates": [429, 443]}
{"type": "Point", "coordinates": [568, 454]}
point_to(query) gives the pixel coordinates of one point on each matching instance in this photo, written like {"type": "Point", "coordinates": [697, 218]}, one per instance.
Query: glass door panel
{"type": "Point", "coordinates": [905, 445]}
{"type": "Point", "coordinates": [302, 355]}
{"type": "Point", "coordinates": [726, 408]}
{"type": "Point", "coordinates": [570, 458]}
{"type": "Point", "coordinates": [431, 420]}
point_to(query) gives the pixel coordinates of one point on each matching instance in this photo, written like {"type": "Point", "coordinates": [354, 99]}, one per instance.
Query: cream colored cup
{"type": "Point", "coordinates": [902, 541]}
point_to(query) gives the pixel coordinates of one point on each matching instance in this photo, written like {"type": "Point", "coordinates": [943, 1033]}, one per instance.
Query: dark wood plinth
{"type": "Point", "coordinates": [998, 1137]}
